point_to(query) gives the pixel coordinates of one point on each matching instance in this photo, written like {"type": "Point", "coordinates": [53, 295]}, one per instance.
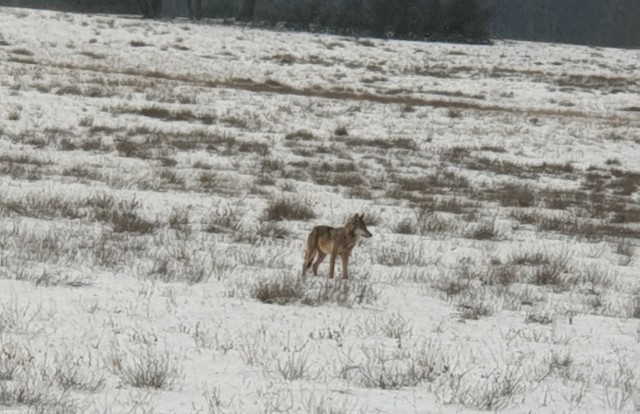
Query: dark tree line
{"type": "Point", "coordinates": [458, 19]}
{"type": "Point", "coordinates": [151, 9]}
{"type": "Point", "coordinates": [592, 22]}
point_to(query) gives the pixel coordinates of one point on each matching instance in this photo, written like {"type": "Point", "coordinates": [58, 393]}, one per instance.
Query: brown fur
{"type": "Point", "coordinates": [334, 241]}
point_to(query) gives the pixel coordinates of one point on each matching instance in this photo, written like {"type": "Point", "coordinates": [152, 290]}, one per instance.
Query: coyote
{"type": "Point", "coordinates": [334, 241]}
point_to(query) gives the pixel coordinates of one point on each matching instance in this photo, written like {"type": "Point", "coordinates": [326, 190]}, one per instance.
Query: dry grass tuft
{"type": "Point", "coordinates": [288, 209]}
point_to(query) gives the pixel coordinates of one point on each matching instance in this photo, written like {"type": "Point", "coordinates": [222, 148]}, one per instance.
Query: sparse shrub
{"type": "Point", "coordinates": [341, 131]}
{"type": "Point", "coordinates": [268, 165]}
{"type": "Point", "coordinates": [430, 183]}
{"type": "Point", "coordinates": [33, 205]}
{"type": "Point", "coordinates": [560, 362]}
{"type": "Point", "coordinates": [170, 176]}
{"type": "Point", "coordinates": [56, 278]}
{"type": "Point", "coordinates": [455, 283]}
{"type": "Point", "coordinates": [359, 192]}
{"type": "Point", "coordinates": [261, 181]}
{"type": "Point", "coordinates": [90, 144]}
{"type": "Point", "coordinates": [518, 296]}
{"type": "Point", "coordinates": [475, 303]}
{"type": "Point", "coordinates": [402, 254]}
{"type": "Point", "coordinates": [182, 266]}
{"type": "Point", "coordinates": [456, 154]}
{"type": "Point", "coordinates": [529, 258]}
{"type": "Point", "coordinates": [454, 205]}
{"type": "Point", "coordinates": [11, 360]}
{"type": "Point", "coordinates": [345, 293]}
{"type": "Point", "coordinates": [295, 365]}
{"type": "Point", "coordinates": [501, 274]}
{"type": "Point", "coordinates": [406, 226]}
{"type": "Point", "coordinates": [127, 148]}
{"type": "Point", "coordinates": [223, 221]}
{"type": "Point", "coordinates": [347, 180]}
{"type": "Point", "coordinates": [159, 112]}
{"type": "Point", "coordinates": [516, 195]}
{"type": "Point", "coordinates": [626, 252]}
{"type": "Point", "coordinates": [624, 214]}
{"type": "Point", "coordinates": [288, 209]}
{"type": "Point", "coordinates": [396, 327]}
{"type": "Point", "coordinates": [396, 368]}
{"type": "Point", "coordinates": [483, 231]}
{"type": "Point", "coordinates": [382, 143]}
{"type": "Point", "coordinates": [436, 224]}
{"type": "Point", "coordinates": [540, 315]}
{"type": "Point", "coordinates": [286, 290]}
{"type": "Point", "coordinates": [259, 148]}
{"type": "Point", "coordinates": [202, 165]}
{"type": "Point", "coordinates": [70, 90]}
{"type": "Point", "coordinates": [179, 220]}
{"type": "Point", "coordinates": [22, 52]}
{"type": "Point", "coordinates": [553, 222]}
{"type": "Point", "coordinates": [281, 291]}
{"type": "Point", "coordinates": [92, 54]}
{"type": "Point", "coordinates": [167, 162]}
{"type": "Point", "coordinates": [300, 135]}
{"type": "Point", "coordinates": [272, 230]}
{"type": "Point", "coordinates": [210, 181]}
{"type": "Point", "coordinates": [147, 367]}
{"type": "Point", "coordinates": [625, 183]}
{"type": "Point", "coordinates": [553, 273]}
{"type": "Point", "coordinates": [525, 216]}
{"type": "Point", "coordinates": [138, 43]}
{"type": "Point", "coordinates": [493, 148]}
{"type": "Point", "coordinates": [454, 113]}
{"type": "Point", "coordinates": [73, 374]}
{"type": "Point", "coordinates": [635, 312]}
{"type": "Point", "coordinates": [33, 393]}
{"type": "Point", "coordinates": [80, 171]}
{"type": "Point", "coordinates": [490, 392]}
{"type": "Point", "coordinates": [330, 403]}
{"type": "Point", "coordinates": [124, 219]}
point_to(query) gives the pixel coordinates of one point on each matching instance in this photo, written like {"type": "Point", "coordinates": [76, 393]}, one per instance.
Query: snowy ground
{"type": "Point", "coordinates": [142, 269]}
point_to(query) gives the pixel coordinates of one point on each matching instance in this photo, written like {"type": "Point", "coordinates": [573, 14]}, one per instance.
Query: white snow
{"type": "Point", "coordinates": [82, 305]}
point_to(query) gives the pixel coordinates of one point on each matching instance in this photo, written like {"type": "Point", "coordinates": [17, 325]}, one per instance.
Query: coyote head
{"type": "Point", "coordinates": [358, 226]}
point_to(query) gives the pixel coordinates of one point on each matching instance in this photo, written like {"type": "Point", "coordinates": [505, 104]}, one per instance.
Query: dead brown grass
{"type": "Point", "coordinates": [272, 86]}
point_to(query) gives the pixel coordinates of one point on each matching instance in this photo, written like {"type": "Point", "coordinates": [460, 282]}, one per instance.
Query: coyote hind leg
{"type": "Point", "coordinates": [308, 260]}
{"type": "Point", "coordinates": [321, 257]}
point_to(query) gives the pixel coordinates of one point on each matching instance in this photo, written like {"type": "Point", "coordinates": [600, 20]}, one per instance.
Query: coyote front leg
{"type": "Point", "coordinates": [332, 263]}
{"type": "Point", "coordinates": [345, 265]}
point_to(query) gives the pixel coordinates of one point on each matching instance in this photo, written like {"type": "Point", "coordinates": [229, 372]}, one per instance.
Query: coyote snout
{"type": "Point", "coordinates": [334, 241]}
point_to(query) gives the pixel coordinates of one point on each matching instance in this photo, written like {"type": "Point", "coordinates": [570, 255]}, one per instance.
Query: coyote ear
{"type": "Point", "coordinates": [362, 216]}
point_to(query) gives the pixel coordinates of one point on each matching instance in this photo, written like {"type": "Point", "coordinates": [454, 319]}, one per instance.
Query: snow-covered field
{"type": "Point", "coordinates": [144, 167]}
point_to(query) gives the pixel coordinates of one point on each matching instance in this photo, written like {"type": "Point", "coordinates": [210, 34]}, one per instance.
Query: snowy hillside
{"type": "Point", "coordinates": [158, 181]}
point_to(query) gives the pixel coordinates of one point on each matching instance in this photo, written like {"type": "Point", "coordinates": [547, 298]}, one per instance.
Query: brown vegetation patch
{"type": "Point", "coordinates": [385, 144]}
{"type": "Point", "coordinates": [514, 194]}
{"type": "Point", "coordinates": [93, 55]}
{"type": "Point", "coordinates": [272, 86]}
{"type": "Point", "coordinates": [432, 182]}
{"type": "Point", "coordinates": [507, 167]}
{"type": "Point", "coordinates": [138, 43]}
{"type": "Point", "coordinates": [22, 52]}
{"type": "Point", "coordinates": [300, 135]}
{"type": "Point", "coordinates": [288, 209]}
